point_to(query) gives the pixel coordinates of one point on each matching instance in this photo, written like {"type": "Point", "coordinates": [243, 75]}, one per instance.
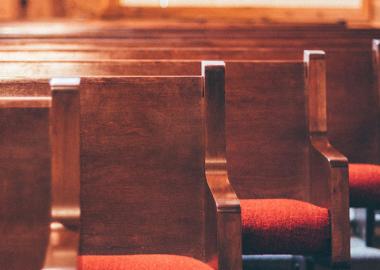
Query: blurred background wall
{"type": "Point", "coordinates": [355, 11]}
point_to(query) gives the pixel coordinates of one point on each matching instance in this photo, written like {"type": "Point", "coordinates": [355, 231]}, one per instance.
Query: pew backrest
{"type": "Point", "coordinates": [142, 166]}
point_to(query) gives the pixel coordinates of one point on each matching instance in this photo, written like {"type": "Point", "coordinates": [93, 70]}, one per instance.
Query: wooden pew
{"type": "Point", "coordinates": [237, 82]}
{"type": "Point", "coordinates": [186, 53]}
{"type": "Point", "coordinates": [269, 156]}
{"type": "Point", "coordinates": [41, 187]}
{"type": "Point", "coordinates": [50, 44]}
{"type": "Point", "coordinates": [24, 180]}
{"type": "Point", "coordinates": [361, 139]}
{"type": "Point", "coordinates": [180, 216]}
{"type": "Point", "coordinates": [150, 195]}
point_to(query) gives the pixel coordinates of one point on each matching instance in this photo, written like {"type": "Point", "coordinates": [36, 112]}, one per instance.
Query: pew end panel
{"type": "Point", "coordinates": [227, 206]}
{"type": "Point", "coordinates": [63, 246]}
{"type": "Point", "coordinates": [328, 167]}
{"type": "Point", "coordinates": [25, 178]}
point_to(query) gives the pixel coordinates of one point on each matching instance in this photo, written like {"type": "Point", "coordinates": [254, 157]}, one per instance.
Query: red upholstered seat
{"type": "Point", "coordinates": [283, 226]}
{"type": "Point", "coordinates": [140, 262]}
{"type": "Point", "coordinates": [364, 185]}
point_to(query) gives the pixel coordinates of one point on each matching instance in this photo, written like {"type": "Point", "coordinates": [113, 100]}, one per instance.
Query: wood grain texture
{"type": "Point", "coordinates": [348, 75]}
{"type": "Point", "coordinates": [271, 100]}
{"type": "Point", "coordinates": [228, 214]}
{"type": "Point", "coordinates": [91, 43]}
{"type": "Point", "coordinates": [316, 90]}
{"type": "Point", "coordinates": [25, 102]}
{"type": "Point", "coordinates": [100, 68]}
{"type": "Point", "coordinates": [65, 183]}
{"type": "Point", "coordinates": [64, 130]}
{"type": "Point", "coordinates": [24, 185]}
{"type": "Point", "coordinates": [328, 167]}
{"type": "Point", "coordinates": [24, 88]}
{"type": "Point", "coordinates": [351, 106]}
{"type": "Point", "coordinates": [142, 166]}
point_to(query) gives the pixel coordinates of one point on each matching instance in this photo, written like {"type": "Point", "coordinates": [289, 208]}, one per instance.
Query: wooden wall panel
{"type": "Point", "coordinates": [9, 9]}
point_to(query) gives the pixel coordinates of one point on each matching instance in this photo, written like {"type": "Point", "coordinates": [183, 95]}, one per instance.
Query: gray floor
{"type": "Point", "coordinates": [362, 258]}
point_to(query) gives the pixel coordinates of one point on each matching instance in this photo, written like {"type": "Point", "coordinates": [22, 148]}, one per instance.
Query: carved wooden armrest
{"type": "Point", "coordinates": [333, 157]}
{"type": "Point", "coordinates": [223, 217]}
{"type": "Point", "coordinates": [328, 167]}
{"type": "Point", "coordinates": [225, 225]}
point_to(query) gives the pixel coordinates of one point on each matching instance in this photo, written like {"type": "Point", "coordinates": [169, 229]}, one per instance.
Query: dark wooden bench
{"type": "Point", "coordinates": [186, 53]}
{"type": "Point", "coordinates": [157, 201]}
{"type": "Point", "coordinates": [25, 180]}
{"type": "Point", "coordinates": [292, 183]}
{"type": "Point", "coordinates": [269, 156]}
{"type": "Point", "coordinates": [50, 44]}
{"type": "Point", "coordinates": [348, 71]}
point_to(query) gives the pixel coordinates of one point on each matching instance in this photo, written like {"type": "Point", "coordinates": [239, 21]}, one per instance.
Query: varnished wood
{"type": "Point", "coordinates": [91, 43]}
{"type": "Point", "coordinates": [258, 67]}
{"type": "Point", "coordinates": [64, 130]}
{"type": "Point", "coordinates": [65, 209]}
{"type": "Point", "coordinates": [128, 151]}
{"type": "Point", "coordinates": [188, 53]}
{"type": "Point", "coordinates": [25, 102]}
{"type": "Point", "coordinates": [227, 204]}
{"type": "Point", "coordinates": [100, 67]}
{"type": "Point", "coordinates": [334, 164]}
{"type": "Point", "coordinates": [143, 184]}
{"type": "Point", "coordinates": [376, 68]}
{"type": "Point", "coordinates": [25, 181]}
{"type": "Point", "coordinates": [316, 90]}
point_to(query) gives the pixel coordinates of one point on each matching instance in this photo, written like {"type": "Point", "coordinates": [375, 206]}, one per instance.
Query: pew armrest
{"type": "Point", "coordinates": [333, 157]}
{"type": "Point", "coordinates": [223, 219]}
{"type": "Point", "coordinates": [329, 169]}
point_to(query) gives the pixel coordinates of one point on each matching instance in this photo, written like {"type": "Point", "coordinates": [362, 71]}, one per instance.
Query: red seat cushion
{"type": "Point", "coordinates": [282, 226]}
{"type": "Point", "coordinates": [140, 262]}
{"type": "Point", "coordinates": [364, 185]}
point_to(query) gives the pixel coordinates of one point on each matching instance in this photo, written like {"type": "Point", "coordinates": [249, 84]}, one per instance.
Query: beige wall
{"type": "Point", "coordinates": [237, 3]}
{"type": "Point", "coordinates": [96, 9]}
{"type": "Point", "coordinates": [9, 9]}
{"type": "Point", "coordinates": [376, 10]}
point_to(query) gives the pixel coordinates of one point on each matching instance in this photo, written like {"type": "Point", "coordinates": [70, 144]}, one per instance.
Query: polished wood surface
{"type": "Point", "coordinates": [152, 53]}
{"type": "Point", "coordinates": [61, 44]}
{"type": "Point", "coordinates": [142, 167]}
{"type": "Point", "coordinates": [25, 181]}
{"type": "Point", "coordinates": [99, 68]}
{"type": "Point", "coordinates": [144, 136]}
{"type": "Point", "coordinates": [328, 167]}
{"type": "Point", "coordinates": [258, 151]}
{"type": "Point", "coordinates": [227, 204]}
{"type": "Point", "coordinates": [129, 151]}
{"type": "Point", "coordinates": [65, 182]}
